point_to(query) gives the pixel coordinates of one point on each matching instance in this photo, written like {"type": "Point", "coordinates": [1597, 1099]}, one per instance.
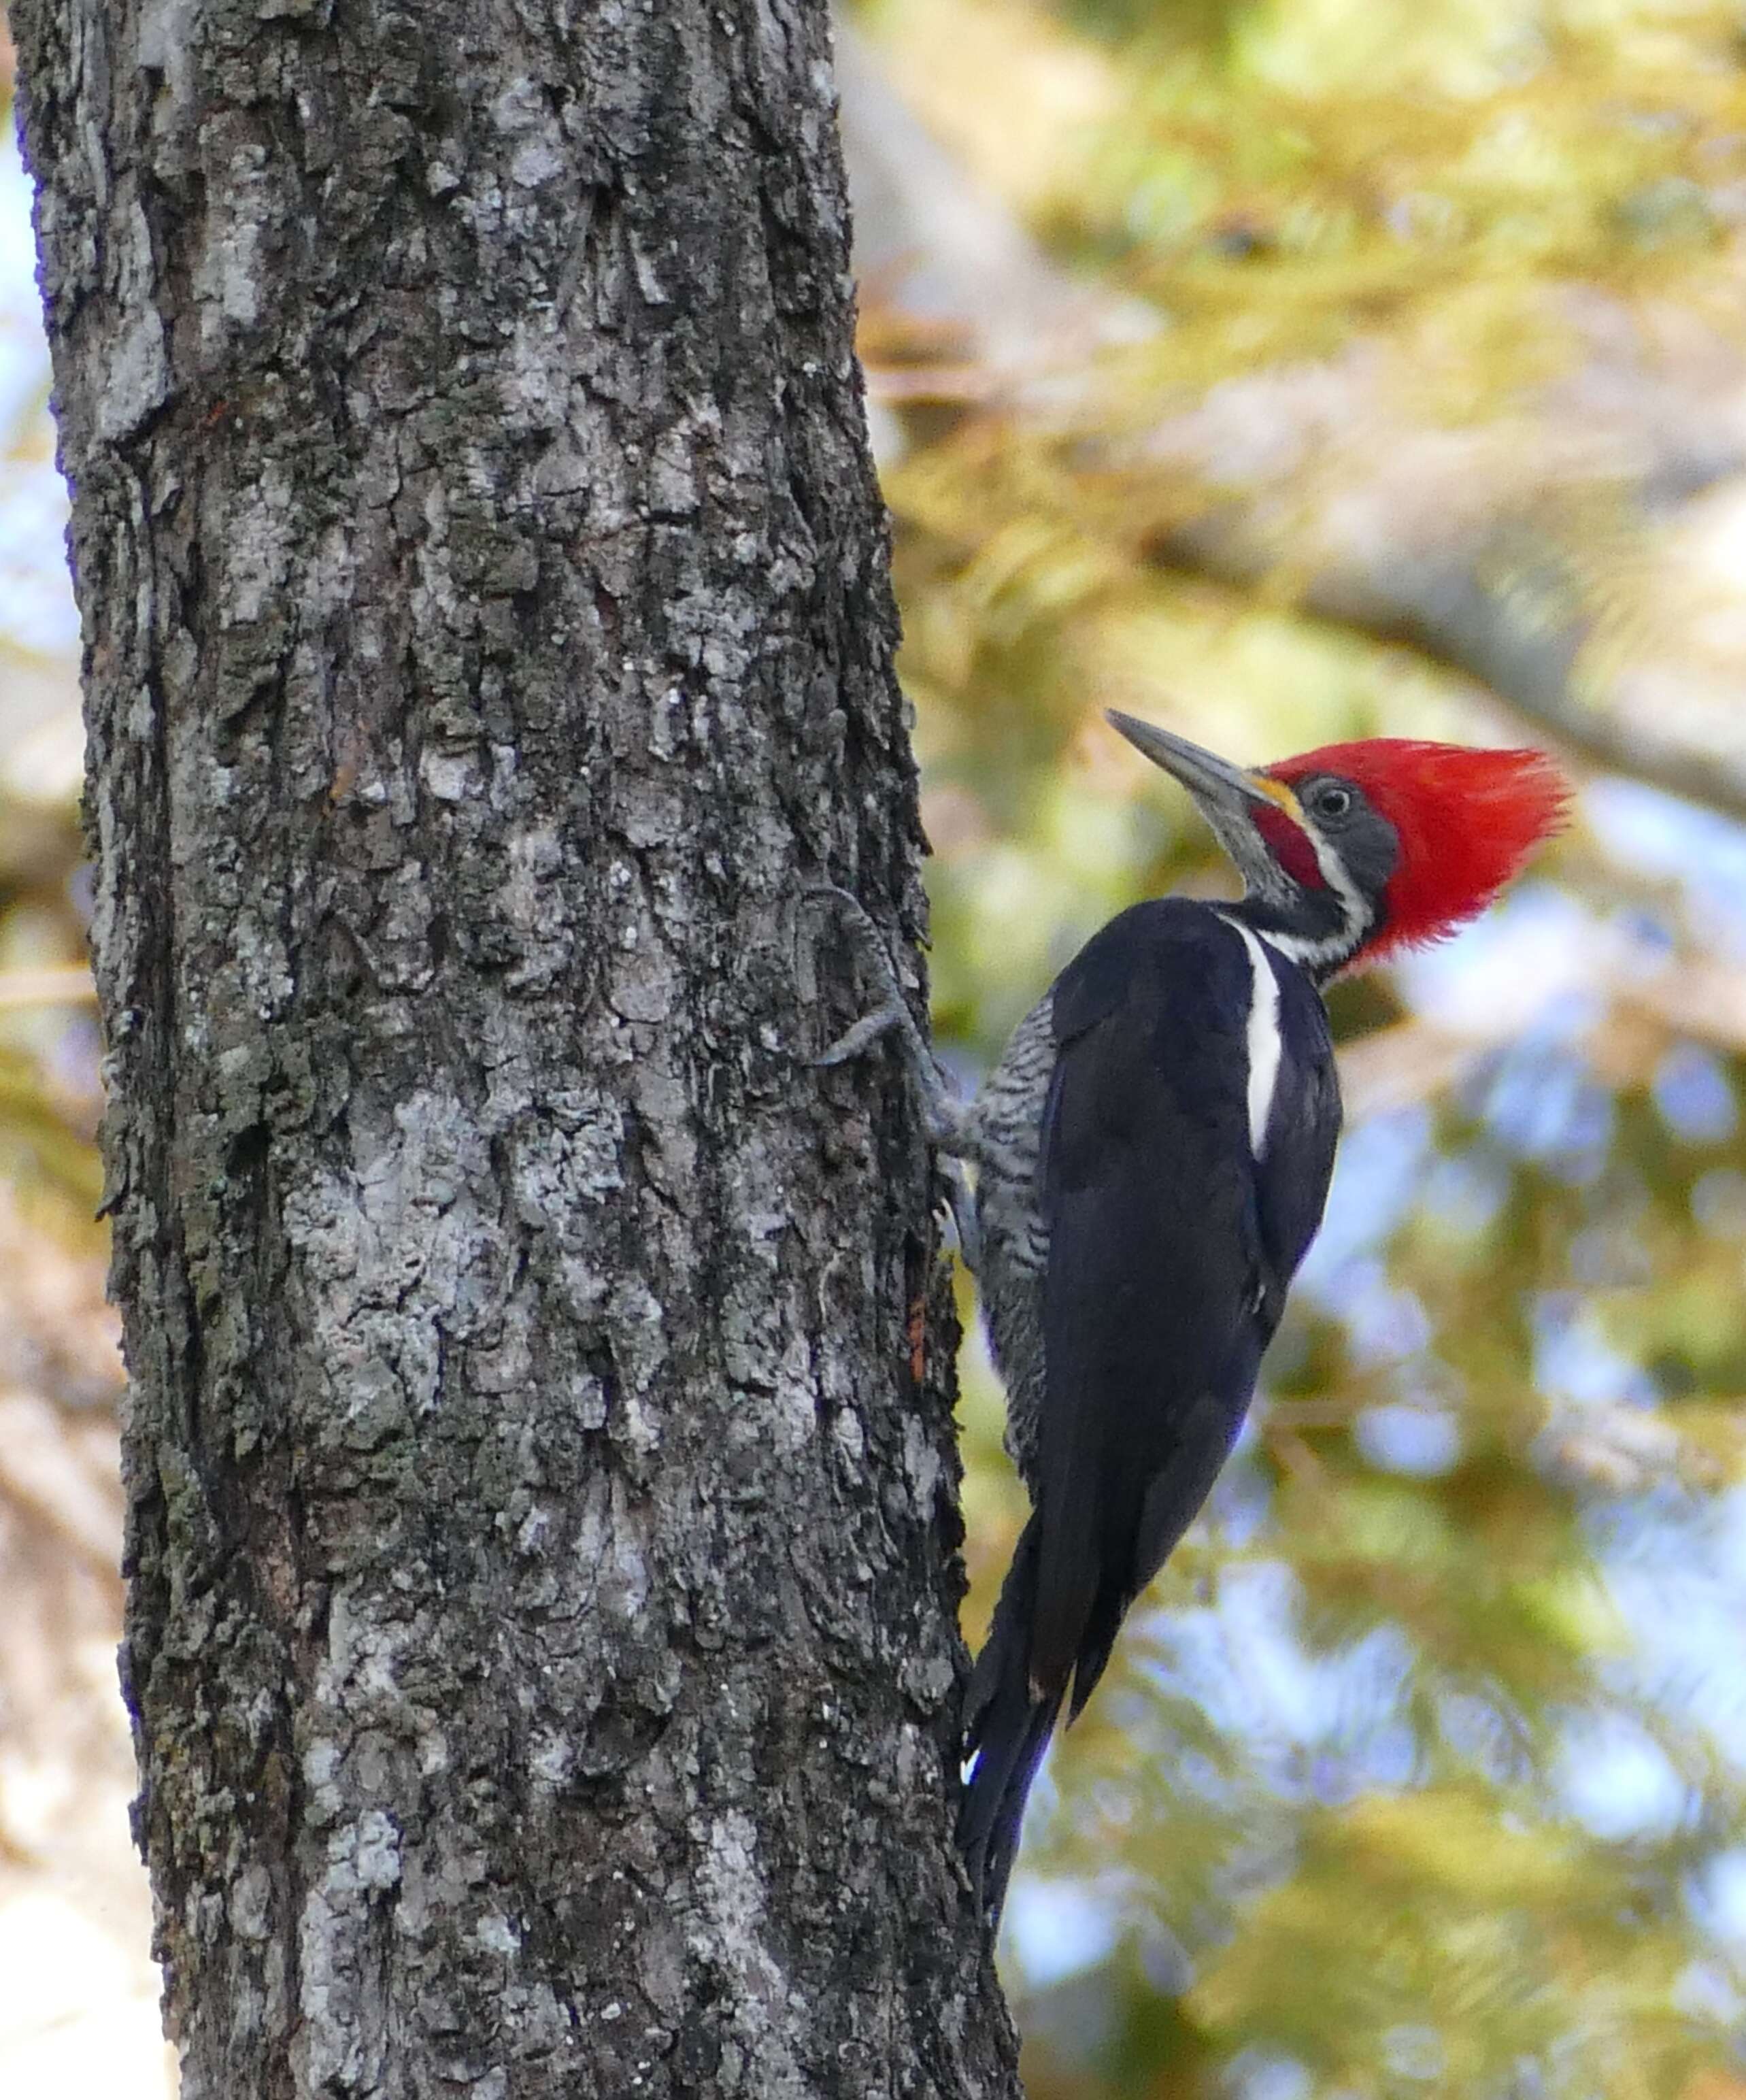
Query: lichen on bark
{"type": "Point", "coordinates": [540, 1633]}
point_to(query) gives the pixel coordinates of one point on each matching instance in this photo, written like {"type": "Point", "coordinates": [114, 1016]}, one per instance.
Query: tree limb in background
{"type": "Point", "coordinates": [1452, 542]}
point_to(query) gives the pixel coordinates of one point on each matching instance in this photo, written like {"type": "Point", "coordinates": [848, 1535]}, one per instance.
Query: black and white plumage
{"type": "Point", "coordinates": [1167, 1162]}
{"type": "Point", "coordinates": [1152, 1153]}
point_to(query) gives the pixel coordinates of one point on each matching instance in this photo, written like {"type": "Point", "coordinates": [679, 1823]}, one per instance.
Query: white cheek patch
{"type": "Point", "coordinates": [1261, 1037]}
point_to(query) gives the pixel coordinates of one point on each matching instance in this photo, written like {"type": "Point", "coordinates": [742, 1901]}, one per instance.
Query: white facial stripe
{"type": "Point", "coordinates": [1333, 873]}
{"type": "Point", "coordinates": [1261, 1037]}
{"type": "Point", "coordinates": [1355, 916]}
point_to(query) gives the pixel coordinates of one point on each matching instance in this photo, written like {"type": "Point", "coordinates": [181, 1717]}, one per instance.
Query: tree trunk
{"type": "Point", "coordinates": [541, 1626]}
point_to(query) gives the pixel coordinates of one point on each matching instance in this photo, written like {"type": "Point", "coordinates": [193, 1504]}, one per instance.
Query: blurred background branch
{"type": "Point", "coordinates": [1317, 480]}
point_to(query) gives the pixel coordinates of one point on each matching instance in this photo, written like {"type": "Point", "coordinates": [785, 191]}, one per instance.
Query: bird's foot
{"type": "Point", "coordinates": [943, 1115]}
{"type": "Point", "coordinates": [960, 1200]}
{"type": "Point", "coordinates": [862, 1034]}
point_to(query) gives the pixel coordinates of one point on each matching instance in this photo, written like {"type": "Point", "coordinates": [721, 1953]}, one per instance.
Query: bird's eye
{"type": "Point", "coordinates": [1334, 800]}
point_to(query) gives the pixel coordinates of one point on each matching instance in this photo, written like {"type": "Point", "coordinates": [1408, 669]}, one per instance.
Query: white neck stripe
{"type": "Point", "coordinates": [1261, 1036]}
{"type": "Point", "coordinates": [1308, 952]}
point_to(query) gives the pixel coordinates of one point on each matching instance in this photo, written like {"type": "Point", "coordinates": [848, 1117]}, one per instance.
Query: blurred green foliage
{"type": "Point", "coordinates": [49, 1179]}
{"type": "Point", "coordinates": [48, 1075]}
{"type": "Point", "coordinates": [1422, 1772]}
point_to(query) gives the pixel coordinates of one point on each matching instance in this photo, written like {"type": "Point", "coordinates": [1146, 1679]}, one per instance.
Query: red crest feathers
{"type": "Point", "coordinates": [1466, 820]}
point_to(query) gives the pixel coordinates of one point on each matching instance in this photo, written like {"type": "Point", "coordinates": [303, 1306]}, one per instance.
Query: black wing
{"type": "Point", "coordinates": [1170, 1247]}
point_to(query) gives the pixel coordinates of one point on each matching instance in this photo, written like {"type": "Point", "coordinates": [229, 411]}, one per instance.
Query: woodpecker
{"type": "Point", "coordinates": [1152, 1156]}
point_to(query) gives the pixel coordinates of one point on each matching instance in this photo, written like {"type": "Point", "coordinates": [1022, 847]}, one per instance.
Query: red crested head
{"type": "Point", "coordinates": [1353, 851]}
{"type": "Point", "coordinates": [1464, 821]}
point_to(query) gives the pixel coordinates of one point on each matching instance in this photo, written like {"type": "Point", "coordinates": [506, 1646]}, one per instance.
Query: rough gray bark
{"type": "Point", "coordinates": [541, 1631]}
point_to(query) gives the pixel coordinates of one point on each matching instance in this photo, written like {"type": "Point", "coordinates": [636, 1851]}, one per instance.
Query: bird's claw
{"type": "Point", "coordinates": [942, 1115]}
{"type": "Point", "coordinates": [893, 1011]}
{"type": "Point", "coordinates": [862, 1034]}
{"type": "Point", "coordinates": [960, 1200]}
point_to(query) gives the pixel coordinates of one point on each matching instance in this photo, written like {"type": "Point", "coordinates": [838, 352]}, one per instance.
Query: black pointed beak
{"type": "Point", "coordinates": [1224, 790]}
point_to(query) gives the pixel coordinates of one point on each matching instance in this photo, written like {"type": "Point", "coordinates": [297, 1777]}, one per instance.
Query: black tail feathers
{"type": "Point", "coordinates": [1009, 1730]}
{"type": "Point", "coordinates": [994, 1809]}
{"type": "Point", "coordinates": [1009, 1720]}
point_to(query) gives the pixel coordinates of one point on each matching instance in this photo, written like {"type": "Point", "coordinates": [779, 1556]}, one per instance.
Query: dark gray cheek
{"type": "Point", "coordinates": [1374, 855]}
